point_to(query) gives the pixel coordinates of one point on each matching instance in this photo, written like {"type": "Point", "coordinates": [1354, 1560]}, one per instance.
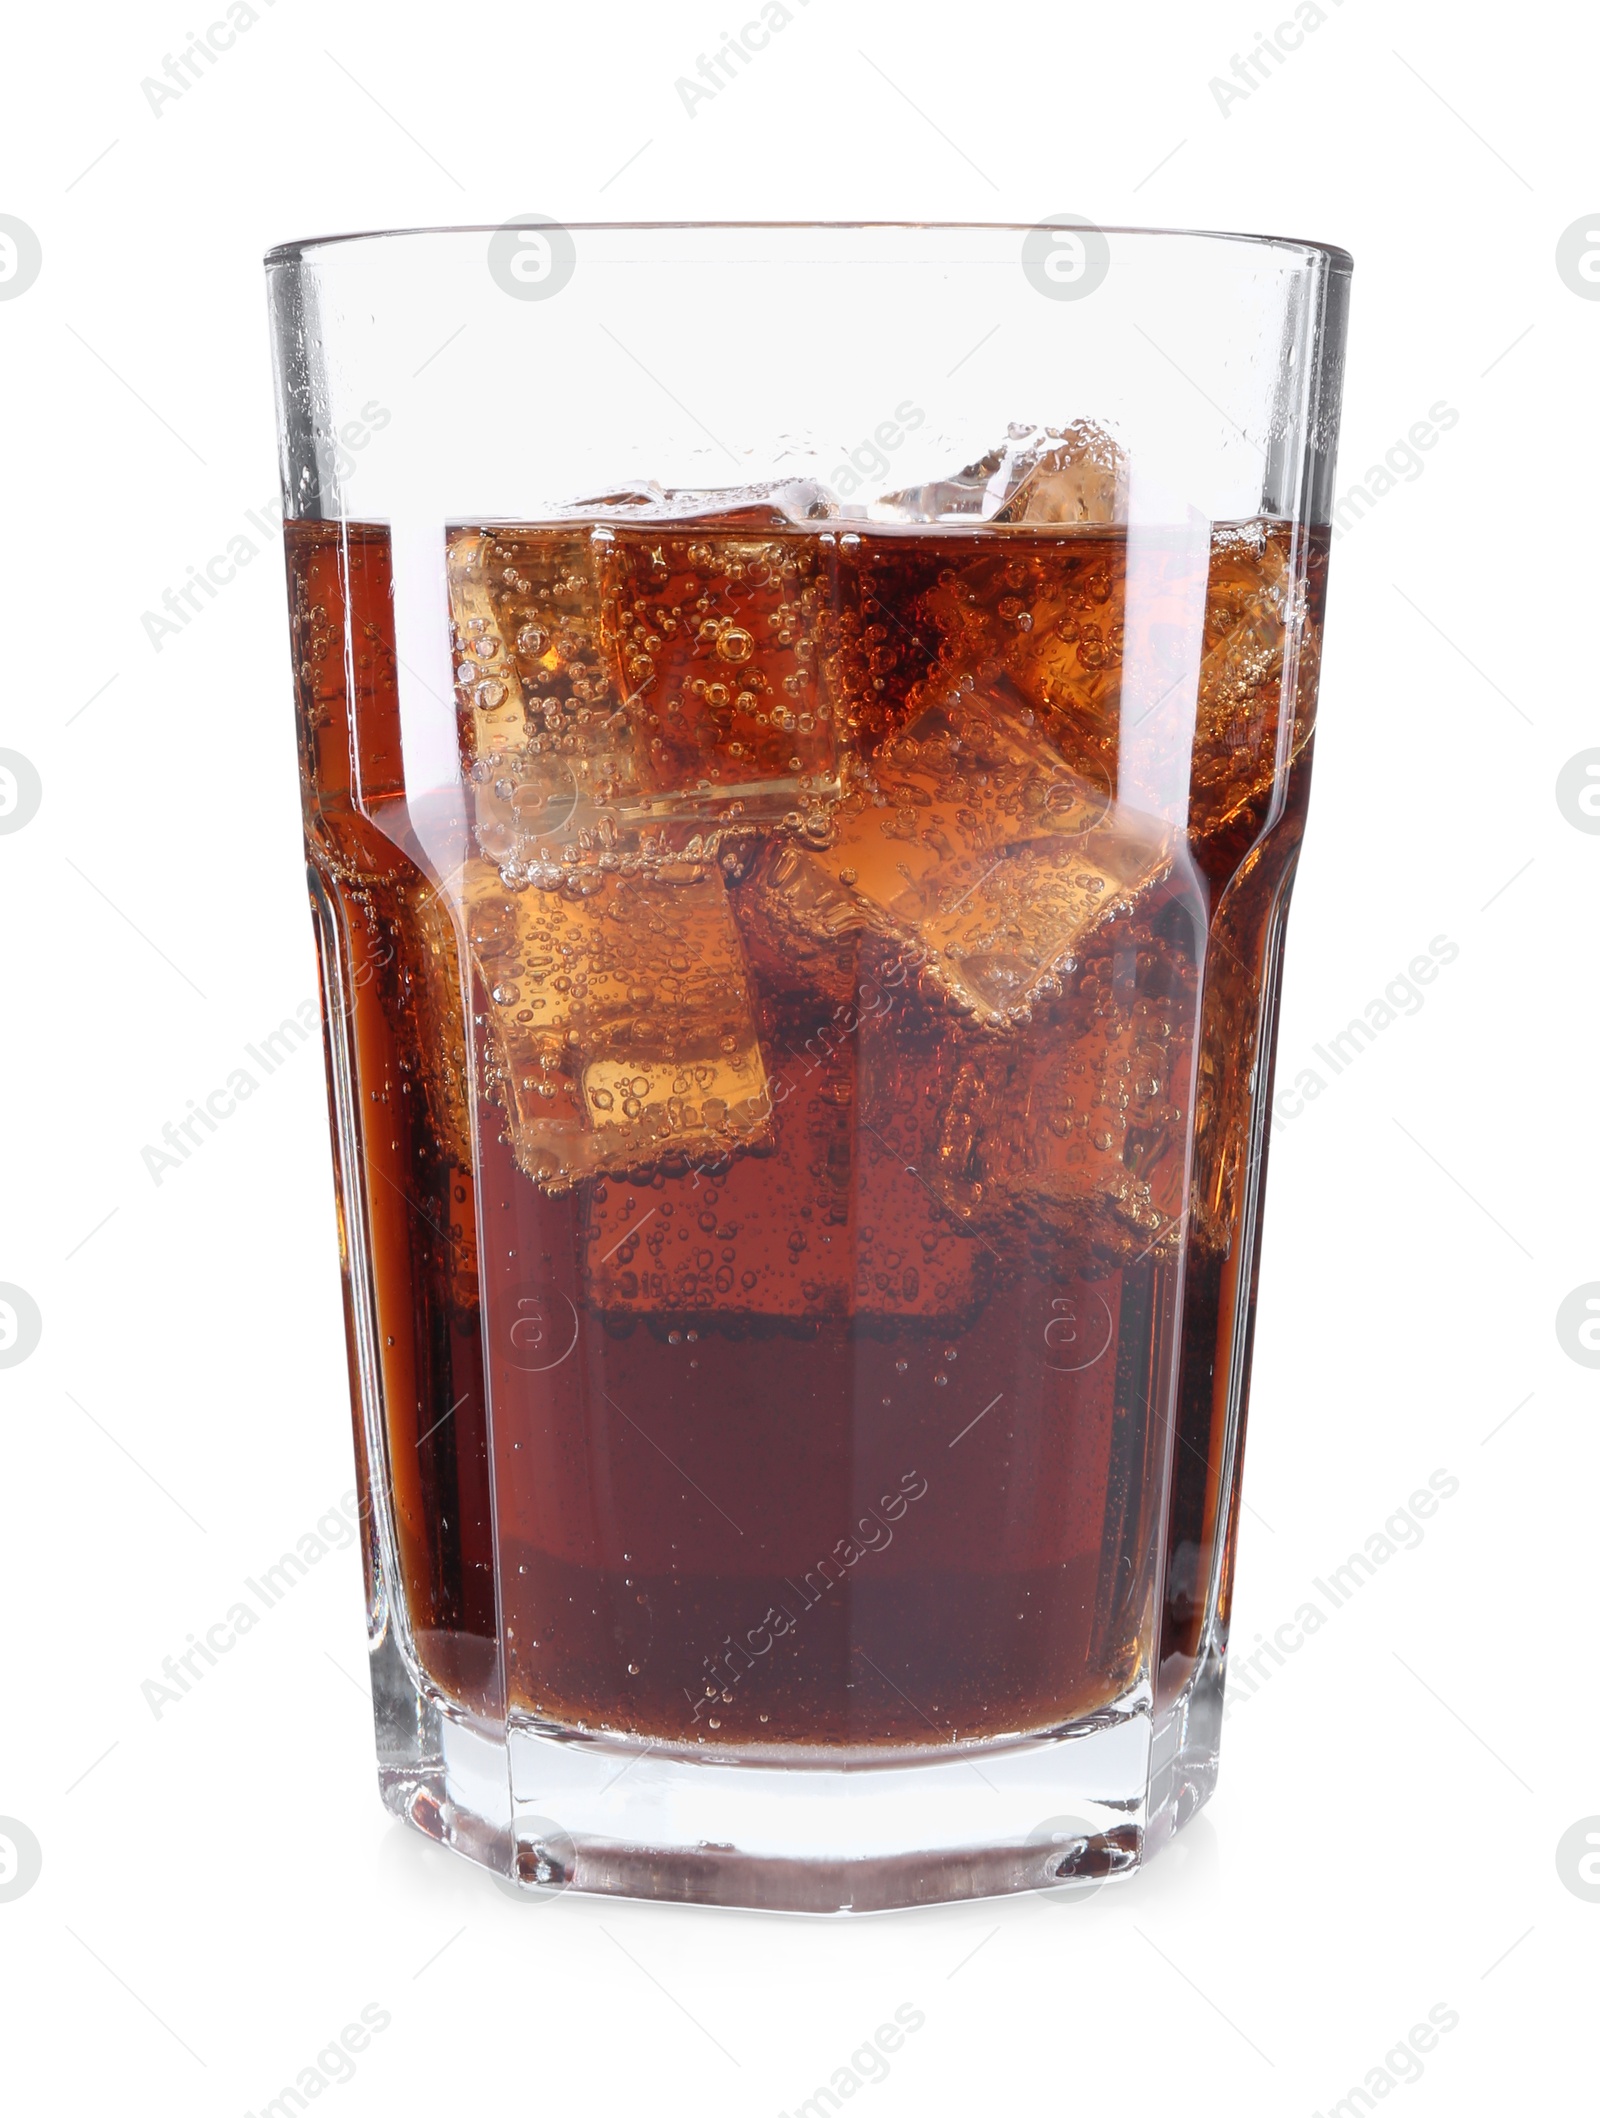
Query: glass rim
{"type": "Point", "coordinates": [299, 249]}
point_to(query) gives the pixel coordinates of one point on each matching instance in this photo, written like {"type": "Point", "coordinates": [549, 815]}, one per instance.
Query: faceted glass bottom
{"type": "Point", "coordinates": [550, 1811]}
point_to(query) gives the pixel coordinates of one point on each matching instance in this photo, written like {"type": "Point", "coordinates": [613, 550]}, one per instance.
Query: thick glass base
{"type": "Point", "coordinates": [551, 1811]}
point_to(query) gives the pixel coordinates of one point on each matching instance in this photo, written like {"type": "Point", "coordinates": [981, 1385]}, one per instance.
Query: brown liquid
{"type": "Point", "coordinates": [803, 1366]}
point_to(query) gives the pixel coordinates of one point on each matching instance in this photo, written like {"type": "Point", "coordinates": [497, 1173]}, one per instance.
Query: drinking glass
{"type": "Point", "coordinates": [805, 736]}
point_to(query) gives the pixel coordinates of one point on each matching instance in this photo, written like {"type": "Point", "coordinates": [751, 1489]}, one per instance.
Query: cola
{"type": "Point", "coordinates": [794, 1102]}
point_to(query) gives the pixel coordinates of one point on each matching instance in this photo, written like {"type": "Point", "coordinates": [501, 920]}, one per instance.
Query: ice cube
{"type": "Point", "coordinates": [1002, 939]}
{"type": "Point", "coordinates": [962, 498]}
{"type": "Point", "coordinates": [971, 845]}
{"type": "Point", "coordinates": [830, 1216]}
{"type": "Point", "coordinates": [914, 1243]}
{"type": "Point", "coordinates": [1047, 627]}
{"type": "Point", "coordinates": [797, 923]}
{"type": "Point", "coordinates": [620, 1017]}
{"type": "Point", "coordinates": [1080, 1129]}
{"type": "Point", "coordinates": [543, 733]}
{"type": "Point", "coordinates": [666, 674]}
{"type": "Point", "coordinates": [852, 1061]}
{"type": "Point", "coordinates": [883, 648]}
{"type": "Point", "coordinates": [1259, 638]}
{"type": "Point", "coordinates": [1036, 623]}
{"type": "Point", "coordinates": [1070, 475]}
{"type": "Point", "coordinates": [767, 1234]}
{"type": "Point", "coordinates": [1027, 619]}
{"type": "Point", "coordinates": [762, 506]}
{"type": "Point", "coordinates": [718, 636]}
{"type": "Point", "coordinates": [1075, 474]}
{"type": "Point", "coordinates": [822, 1226]}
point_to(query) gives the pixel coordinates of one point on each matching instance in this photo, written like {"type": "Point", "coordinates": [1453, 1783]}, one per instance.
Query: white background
{"type": "Point", "coordinates": [221, 1891]}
